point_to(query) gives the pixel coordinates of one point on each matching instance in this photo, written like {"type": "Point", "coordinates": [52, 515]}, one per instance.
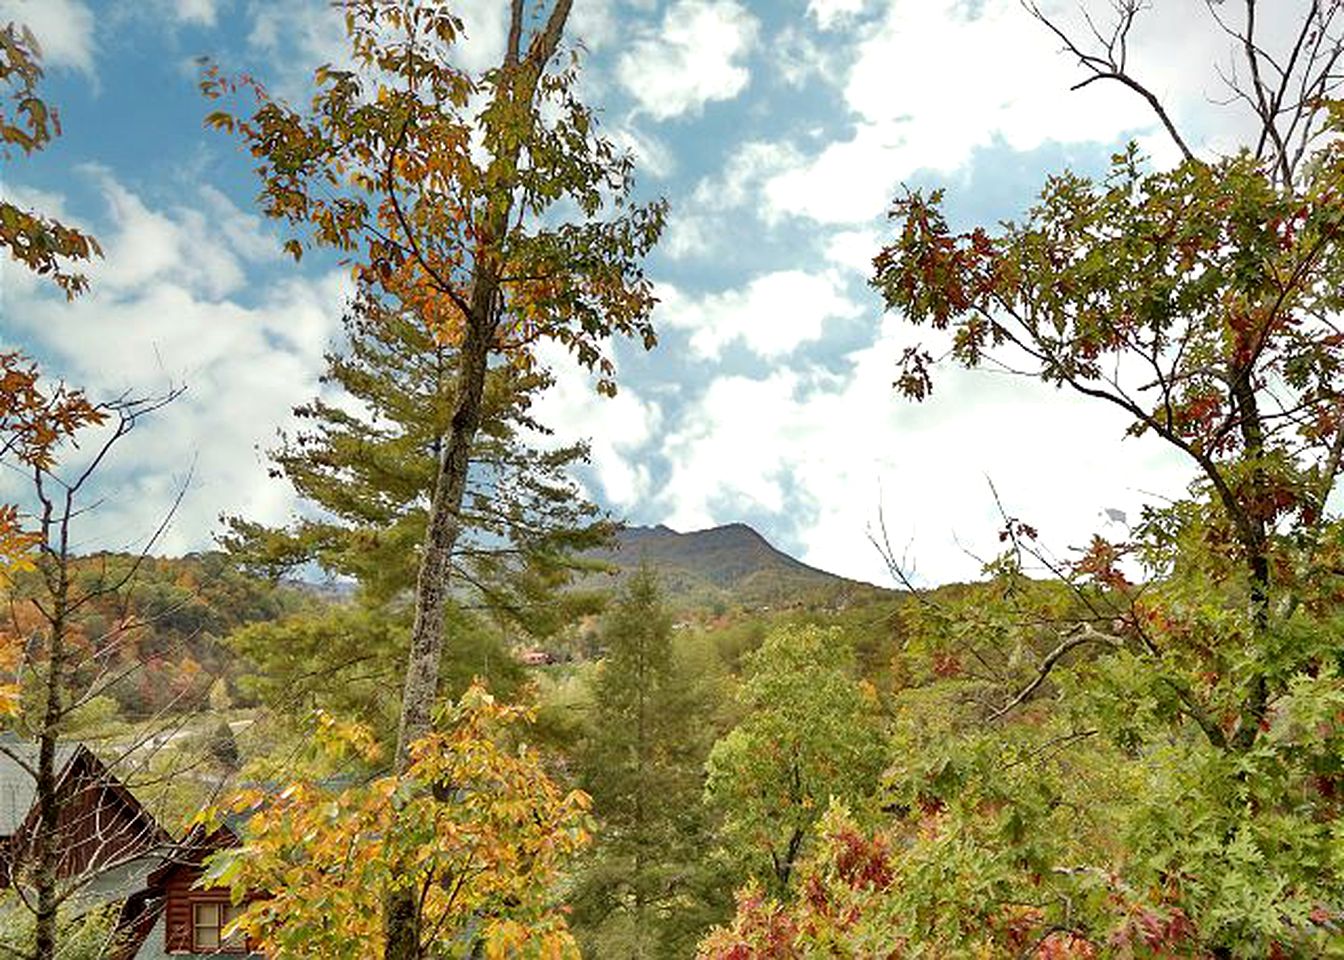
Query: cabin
{"type": "Point", "coordinates": [112, 850]}
{"type": "Point", "coordinates": [108, 842]}
{"type": "Point", "coordinates": [173, 917]}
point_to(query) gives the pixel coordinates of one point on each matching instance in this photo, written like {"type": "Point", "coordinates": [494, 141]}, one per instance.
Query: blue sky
{"type": "Point", "coordinates": [777, 129]}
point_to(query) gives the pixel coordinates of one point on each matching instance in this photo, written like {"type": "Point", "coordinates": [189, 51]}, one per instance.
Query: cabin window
{"type": "Point", "coordinates": [208, 920]}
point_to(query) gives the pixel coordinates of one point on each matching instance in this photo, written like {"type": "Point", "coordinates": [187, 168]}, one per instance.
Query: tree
{"type": "Point", "coordinates": [347, 659]}
{"type": "Point", "coordinates": [810, 734]}
{"type": "Point", "coordinates": [438, 183]}
{"type": "Point", "coordinates": [34, 418]}
{"type": "Point", "coordinates": [474, 828]}
{"type": "Point", "coordinates": [88, 936]}
{"type": "Point", "coordinates": [369, 457]}
{"type": "Point", "coordinates": [368, 460]}
{"type": "Point", "coordinates": [62, 671]}
{"type": "Point", "coordinates": [646, 891]}
{"type": "Point", "coordinates": [1203, 302]}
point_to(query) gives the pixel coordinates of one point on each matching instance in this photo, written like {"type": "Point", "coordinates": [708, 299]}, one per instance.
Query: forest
{"type": "Point", "coordinates": [456, 706]}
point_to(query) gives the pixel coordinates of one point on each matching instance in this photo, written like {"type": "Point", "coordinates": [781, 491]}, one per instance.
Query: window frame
{"type": "Point", "coordinates": [225, 912]}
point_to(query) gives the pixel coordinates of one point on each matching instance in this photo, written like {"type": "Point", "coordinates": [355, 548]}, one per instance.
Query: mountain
{"type": "Point", "coordinates": [728, 565]}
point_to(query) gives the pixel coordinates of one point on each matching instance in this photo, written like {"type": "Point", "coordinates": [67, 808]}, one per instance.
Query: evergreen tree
{"type": "Point", "coordinates": [645, 892]}
{"type": "Point", "coordinates": [368, 463]}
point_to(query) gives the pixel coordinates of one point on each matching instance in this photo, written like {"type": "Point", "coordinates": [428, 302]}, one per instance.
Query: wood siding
{"type": "Point", "coordinates": [99, 822]}
{"type": "Point", "coordinates": [177, 886]}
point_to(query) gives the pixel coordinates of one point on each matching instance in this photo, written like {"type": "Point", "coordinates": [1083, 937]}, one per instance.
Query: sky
{"type": "Point", "coordinates": [778, 131]}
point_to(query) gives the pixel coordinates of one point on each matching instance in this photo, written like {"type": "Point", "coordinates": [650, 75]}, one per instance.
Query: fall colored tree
{"type": "Point", "coordinates": [1182, 662]}
{"type": "Point", "coordinates": [64, 670]}
{"type": "Point", "coordinates": [438, 184]}
{"type": "Point", "coordinates": [27, 123]}
{"type": "Point", "coordinates": [474, 828]}
{"type": "Point", "coordinates": [35, 417]}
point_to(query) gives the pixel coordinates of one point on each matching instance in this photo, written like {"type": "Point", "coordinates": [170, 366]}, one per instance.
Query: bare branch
{"type": "Point", "coordinates": [1082, 635]}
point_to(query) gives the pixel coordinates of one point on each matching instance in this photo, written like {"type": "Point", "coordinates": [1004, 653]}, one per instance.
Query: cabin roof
{"type": "Point", "coordinates": [192, 850]}
{"type": "Point", "coordinates": [115, 884]}
{"type": "Point", "coordinates": [18, 789]}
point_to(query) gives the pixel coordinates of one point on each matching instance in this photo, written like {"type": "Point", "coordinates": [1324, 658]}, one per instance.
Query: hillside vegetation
{"type": "Point", "coordinates": [727, 566]}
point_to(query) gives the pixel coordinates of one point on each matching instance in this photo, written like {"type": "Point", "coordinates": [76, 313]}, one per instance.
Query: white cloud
{"type": "Point", "coordinates": [296, 38]}
{"type": "Point", "coordinates": [853, 250]}
{"type": "Point", "coordinates": [935, 80]}
{"type": "Point", "coordinates": [202, 13]}
{"type": "Point", "coordinates": [615, 427]}
{"type": "Point", "coordinates": [598, 23]}
{"type": "Point", "coordinates": [692, 59]}
{"type": "Point", "coordinates": [202, 248]}
{"type": "Point", "coordinates": [652, 156]}
{"type": "Point", "coordinates": [831, 13]}
{"type": "Point", "coordinates": [485, 24]}
{"type": "Point", "coordinates": [751, 163]}
{"type": "Point", "coordinates": [772, 315]}
{"type": "Point", "coordinates": [801, 60]}
{"type": "Point", "coordinates": [163, 311]}
{"type": "Point", "coordinates": [64, 28]}
{"type": "Point", "coordinates": [825, 453]}
{"type": "Point", "coordinates": [695, 226]}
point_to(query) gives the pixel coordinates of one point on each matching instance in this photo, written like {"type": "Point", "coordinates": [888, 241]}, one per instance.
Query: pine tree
{"type": "Point", "coordinates": [645, 892]}
{"type": "Point", "coordinates": [367, 461]}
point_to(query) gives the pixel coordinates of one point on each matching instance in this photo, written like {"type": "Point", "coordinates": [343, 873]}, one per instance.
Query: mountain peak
{"type": "Point", "coordinates": [732, 562]}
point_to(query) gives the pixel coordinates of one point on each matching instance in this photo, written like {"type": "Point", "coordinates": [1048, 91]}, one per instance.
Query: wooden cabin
{"type": "Point", "coordinates": [112, 850]}
{"type": "Point", "coordinates": [172, 916]}
{"type": "Point", "coordinates": [108, 843]}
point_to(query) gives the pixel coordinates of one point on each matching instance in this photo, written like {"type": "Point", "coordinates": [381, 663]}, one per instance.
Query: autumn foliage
{"type": "Point", "coordinates": [476, 824]}
{"type": "Point", "coordinates": [35, 417]}
{"type": "Point", "coordinates": [27, 123]}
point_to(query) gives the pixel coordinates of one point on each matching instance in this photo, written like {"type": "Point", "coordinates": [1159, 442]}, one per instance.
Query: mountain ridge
{"type": "Point", "coordinates": [731, 563]}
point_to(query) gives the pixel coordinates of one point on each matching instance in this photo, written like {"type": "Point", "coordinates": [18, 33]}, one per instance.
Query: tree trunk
{"type": "Point", "coordinates": [45, 852]}
{"type": "Point", "coordinates": [401, 918]}
{"type": "Point", "coordinates": [422, 666]}
{"type": "Point", "coordinates": [1256, 546]}
{"type": "Point", "coordinates": [516, 86]}
{"type": "Point", "coordinates": [46, 847]}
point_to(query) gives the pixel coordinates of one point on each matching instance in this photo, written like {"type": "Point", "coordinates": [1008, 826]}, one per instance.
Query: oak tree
{"type": "Point", "coordinates": [1203, 302]}
{"type": "Point", "coordinates": [27, 123]}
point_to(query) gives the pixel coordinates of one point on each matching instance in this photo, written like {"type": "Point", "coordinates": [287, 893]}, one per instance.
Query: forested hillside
{"type": "Point", "coordinates": [425, 684]}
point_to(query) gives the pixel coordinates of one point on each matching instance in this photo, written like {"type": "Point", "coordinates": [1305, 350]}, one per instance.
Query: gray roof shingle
{"type": "Point", "coordinates": [17, 786]}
